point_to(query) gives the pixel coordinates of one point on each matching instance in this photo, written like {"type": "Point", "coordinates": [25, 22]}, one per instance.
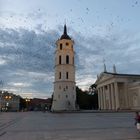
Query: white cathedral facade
{"type": "Point", "coordinates": [118, 91]}
{"type": "Point", "coordinates": [64, 96]}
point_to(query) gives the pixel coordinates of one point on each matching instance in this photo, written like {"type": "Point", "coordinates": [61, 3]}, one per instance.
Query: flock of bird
{"type": "Point", "coordinates": [27, 19]}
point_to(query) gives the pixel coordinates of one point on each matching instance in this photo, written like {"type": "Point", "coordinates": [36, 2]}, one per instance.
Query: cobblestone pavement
{"type": "Point", "coordinates": [67, 126]}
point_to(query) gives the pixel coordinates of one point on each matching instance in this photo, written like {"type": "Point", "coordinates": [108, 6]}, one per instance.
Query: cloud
{"type": "Point", "coordinates": [117, 49]}
{"type": "Point", "coordinates": [27, 57]}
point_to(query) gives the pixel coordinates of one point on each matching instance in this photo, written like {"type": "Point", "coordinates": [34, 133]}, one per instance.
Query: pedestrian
{"type": "Point", "coordinates": [137, 121]}
{"type": "Point", "coordinates": [137, 118]}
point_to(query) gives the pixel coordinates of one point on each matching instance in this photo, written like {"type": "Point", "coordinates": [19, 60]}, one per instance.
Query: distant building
{"type": "Point", "coordinates": [37, 104]}
{"type": "Point", "coordinates": [64, 97]}
{"type": "Point", "coordinates": [118, 91]}
{"type": "Point", "coordinates": [9, 101]}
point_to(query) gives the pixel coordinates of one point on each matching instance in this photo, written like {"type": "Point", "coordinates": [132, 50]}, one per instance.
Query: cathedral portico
{"type": "Point", "coordinates": [118, 91]}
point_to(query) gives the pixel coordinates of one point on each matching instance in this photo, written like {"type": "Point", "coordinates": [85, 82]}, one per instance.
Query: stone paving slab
{"type": "Point", "coordinates": [68, 126]}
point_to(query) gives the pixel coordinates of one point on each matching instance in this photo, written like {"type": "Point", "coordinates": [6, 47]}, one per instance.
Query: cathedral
{"type": "Point", "coordinates": [118, 91]}
{"type": "Point", "coordinates": [64, 96]}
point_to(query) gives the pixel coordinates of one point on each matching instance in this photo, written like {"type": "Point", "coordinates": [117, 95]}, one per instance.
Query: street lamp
{"type": "Point", "coordinates": [7, 98]}
{"type": "Point", "coordinates": [27, 103]}
{"type": "Point", "coordinates": [27, 100]}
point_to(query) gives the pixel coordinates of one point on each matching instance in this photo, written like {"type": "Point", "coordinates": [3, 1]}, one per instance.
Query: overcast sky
{"type": "Point", "coordinates": [102, 30]}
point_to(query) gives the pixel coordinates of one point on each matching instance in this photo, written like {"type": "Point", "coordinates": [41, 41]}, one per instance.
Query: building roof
{"type": "Point", "coordinates": [106, 75]}
{"type": "Point", "coordinates": [65, 35]}
{"type": "Point", "coordinates": [120, 74]}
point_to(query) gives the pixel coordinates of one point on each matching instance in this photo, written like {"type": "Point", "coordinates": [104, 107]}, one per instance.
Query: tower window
{"type": "Point", "coordinates": [67, 59]}
{"type": "Point", "coordinates": [59, 87]}
{"type": "Point", "coordinates": [59, 75]}
{"type": "Point", "coordinates": [59, 59]}
{"type": "Point", "coordinates": [67, 44]}
{"type": "Point", "coordinates": [67, 75]}
{"type": "Point", "coordinates": [66, 96]}
{"type": "Point", "coordinates": [61, 46]}
{"type": "Point", "coordinates": [66, 87]}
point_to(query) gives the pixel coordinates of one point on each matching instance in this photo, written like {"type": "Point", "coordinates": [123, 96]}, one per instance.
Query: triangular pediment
{"type": "Point", "coordinates": [103, 77]}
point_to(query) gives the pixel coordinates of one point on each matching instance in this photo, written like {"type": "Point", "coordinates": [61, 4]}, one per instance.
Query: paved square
{"type": "Point", "coordinates": [67, 126]}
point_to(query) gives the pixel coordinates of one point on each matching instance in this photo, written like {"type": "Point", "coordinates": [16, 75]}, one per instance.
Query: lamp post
{"type": "Point", "coordinates": [7, 98]}
{"type": "Point", "coordinates": [27, 103]}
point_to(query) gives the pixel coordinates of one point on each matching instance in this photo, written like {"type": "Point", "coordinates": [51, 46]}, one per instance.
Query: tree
{"type": "Point", "coordinates": [22, 104]}
{"type": "Point", "coordinates": [93, 89]}
{"type": "Point", "coordinates": [86, 100]}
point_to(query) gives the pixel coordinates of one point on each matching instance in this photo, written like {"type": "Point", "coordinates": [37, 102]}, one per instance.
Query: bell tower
{"type": "Point", "coordinates": [64, 96]}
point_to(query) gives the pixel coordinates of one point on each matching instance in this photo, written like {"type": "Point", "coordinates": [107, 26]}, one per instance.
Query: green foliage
{"type": "Point", "coordinates": [22, 103]}
{"type": "Point", "coordinates": [85, 100]}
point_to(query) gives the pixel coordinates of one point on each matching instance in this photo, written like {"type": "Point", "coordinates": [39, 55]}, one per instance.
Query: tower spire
{"type": "Point", "coordinates": [114, 69]}
{"type": "Point", "coordinates": [104, 65]}
{"type": "Point", "coordinates": [65, 35]}
{"type": "Point", "coordinates": [105, 68]}
{"type": "Point", "coordinates": [65, 29]}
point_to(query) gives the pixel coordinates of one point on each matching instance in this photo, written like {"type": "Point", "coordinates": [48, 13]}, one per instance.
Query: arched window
{"type": "Point", "coordinates": [59, 59]}
{"type": "Point", "coordinates": [61, 46]}
{"type": "Point", "coordinates": [67, 59]}
{"type": "Point", "coordinates": [59, 75]}
{"type": "Point", "coordinates": [67, 75]}
{"type": "Point", "coordinates": [67, 44]}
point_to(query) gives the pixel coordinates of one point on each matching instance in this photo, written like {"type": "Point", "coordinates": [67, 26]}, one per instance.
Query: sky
{"type": "Point", "coordinates": [104, 31]}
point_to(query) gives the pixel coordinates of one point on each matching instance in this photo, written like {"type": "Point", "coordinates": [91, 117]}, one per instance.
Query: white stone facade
{"type": "Point", "coordinates": [64, 96]}
{"type": "Point", "coordinates": [134, 95]}
{"type": "Point", "coordinates": [118, 91]}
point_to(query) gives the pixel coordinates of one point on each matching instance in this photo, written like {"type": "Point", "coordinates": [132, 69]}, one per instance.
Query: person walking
{"type": "Point", "coordinates": [137, 121]}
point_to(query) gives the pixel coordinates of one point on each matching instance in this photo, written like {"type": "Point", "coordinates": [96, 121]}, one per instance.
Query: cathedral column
{"type": "Point", "coordinates": [102, 101]}
{"type": "Point", "coordinates": [104, 97]}
{"type": "Point", "coordinates": [99, 98]}
{"type": "Point", "coordinates": [109, 93]}
{"type": "Point", "coordinates": [126, 95]}
{"type": "Point", "coordinates": [112, 97]}
{"type": "Point", "coordinates": [100, 95]}
{"type": "Point", "coordinates": [117, 96]}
